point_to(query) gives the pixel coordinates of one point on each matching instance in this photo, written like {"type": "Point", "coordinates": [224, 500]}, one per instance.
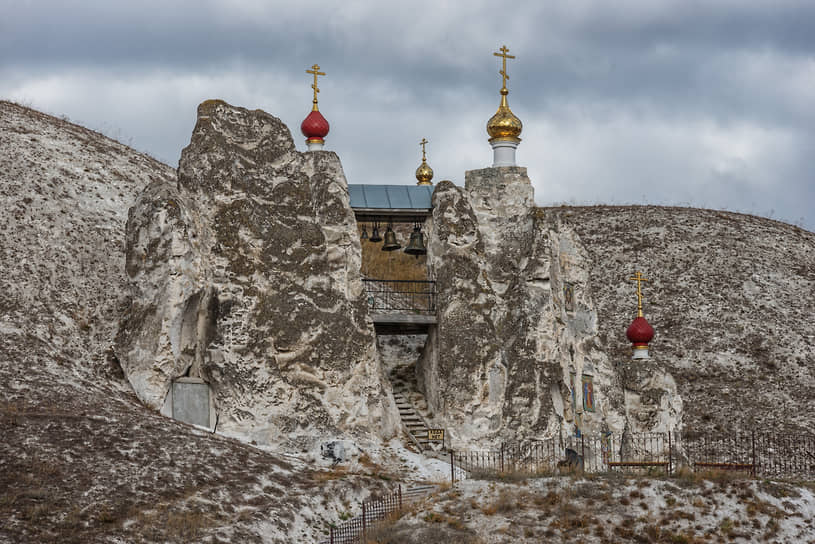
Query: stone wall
{"type": "Point", "coordinates": [246, 274]}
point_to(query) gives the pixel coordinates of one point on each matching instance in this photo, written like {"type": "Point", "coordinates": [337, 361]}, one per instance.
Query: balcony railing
{"type": "Point", "coordinates": [401, 296]}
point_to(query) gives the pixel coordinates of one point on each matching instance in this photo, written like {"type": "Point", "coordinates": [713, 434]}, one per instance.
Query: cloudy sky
{"type": "Point", "coordinates": [675, 102]}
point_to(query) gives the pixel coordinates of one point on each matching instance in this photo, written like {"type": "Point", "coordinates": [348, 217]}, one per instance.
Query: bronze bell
{"type": "Point", "coordinates": [416, 245]}
{"type": "Point", "coordinates": [390, 241]}
{"type": "Point", "coordinates": [364, 235]}
{"type": "Point", "coordinates": [375, 237]}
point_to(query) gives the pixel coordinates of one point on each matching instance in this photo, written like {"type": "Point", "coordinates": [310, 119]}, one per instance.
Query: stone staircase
{"type": "Point", "coordinates": [411, 404]}
{"type": "Point", "coordinates": [413, 422]}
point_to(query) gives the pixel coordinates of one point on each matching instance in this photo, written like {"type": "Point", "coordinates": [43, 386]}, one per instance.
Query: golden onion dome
{"type": "Point", "coordinates": [424, 174]}
{"type": "Point", "coordinates": [504, 125]}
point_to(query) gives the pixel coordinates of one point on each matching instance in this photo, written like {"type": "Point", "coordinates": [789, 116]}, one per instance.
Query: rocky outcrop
{"type": "Point", "coordinates": [246, 274]}
{"type": "Point", "coordinates": [730, 296]}
{"type": "Point", "coordinates": [509, 349]}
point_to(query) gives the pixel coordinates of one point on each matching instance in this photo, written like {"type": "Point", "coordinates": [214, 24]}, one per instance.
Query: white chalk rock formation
{"type": "Point", "coordinates": [730, 296]}
{"type": "Point", "coordinates": [509, 349]}
{"type": "Point", "coordinates": [246, 275]}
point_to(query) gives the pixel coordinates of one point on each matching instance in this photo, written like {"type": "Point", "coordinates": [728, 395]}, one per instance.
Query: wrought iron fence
{"type": "Point", "coordinates": [374, 511]}
{"type": "Point", "coordinates": [768, 455]}
{"type": "Point", "coordinates": [791, 456]}
{"type": "Point", "coordinates": [406, 296]}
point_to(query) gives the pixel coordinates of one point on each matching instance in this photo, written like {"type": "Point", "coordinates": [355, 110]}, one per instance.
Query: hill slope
{"type": "Point", "coordinates": [730, 298]}
{"type": "Point", "coordinates": [81, 460]}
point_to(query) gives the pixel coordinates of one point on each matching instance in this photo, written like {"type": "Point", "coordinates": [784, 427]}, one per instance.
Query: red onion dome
{"type": "Point", "coordinates": [640, 332]}
{"type": "Point", "coordinates": [314, 126]}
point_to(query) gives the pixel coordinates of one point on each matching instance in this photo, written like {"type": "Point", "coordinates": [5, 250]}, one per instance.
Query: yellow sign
{"type": "Point", "coordinates": [435, 434]}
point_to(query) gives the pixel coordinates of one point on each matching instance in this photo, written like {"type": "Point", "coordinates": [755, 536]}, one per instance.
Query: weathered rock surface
{"type": "Point", "coordinates": [507, 350]}
{"type": "Point", "coordinates": [64, 195]}
{"type": "Point", "coordinates": [246, 274]}
{"type": "Point", "coordinates": [81, 459]}
{"type": "Point", "coordinates": [730, 298]}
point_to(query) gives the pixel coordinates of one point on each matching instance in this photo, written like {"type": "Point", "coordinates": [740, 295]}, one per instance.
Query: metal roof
{"type": "Point", "coordinates": [391, 197]}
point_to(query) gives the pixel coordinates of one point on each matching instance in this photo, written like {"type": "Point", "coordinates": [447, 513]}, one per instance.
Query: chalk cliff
{"type": "Point", "coordinates": [246, 274]}
{"type": "Point", "coordinates": [508, 349]}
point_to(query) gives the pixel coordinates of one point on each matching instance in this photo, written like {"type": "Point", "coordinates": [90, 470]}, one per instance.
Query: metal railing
{"type": "Point", "coordinates": [788, 456]}
{"type": "Point", "coordinates": [401, 296]}
{"type": "Point", "coordinates": [375, 511]}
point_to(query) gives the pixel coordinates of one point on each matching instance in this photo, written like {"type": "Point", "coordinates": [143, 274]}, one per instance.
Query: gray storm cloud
{"type": "Point", "coordinates": [681, 103]}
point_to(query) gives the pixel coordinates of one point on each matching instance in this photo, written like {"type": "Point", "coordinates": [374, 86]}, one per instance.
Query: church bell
{"type": "Point", "coordinates": [364, 235]}
{"type": "Point", "coordinates": [416, 245]}
{"type": "Point", "coordinates": [375, 237]}
{"type": "Point", "coordinates": [390, 241]}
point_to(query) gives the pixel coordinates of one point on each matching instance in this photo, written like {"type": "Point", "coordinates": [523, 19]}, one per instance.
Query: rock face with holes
{"type": "Point", "coordinates": [246, 274]}
{"type": "Point", "coordinates": [509, 347]}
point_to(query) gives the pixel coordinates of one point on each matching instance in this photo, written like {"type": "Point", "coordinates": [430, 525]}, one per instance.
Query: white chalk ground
{"type": "Point", "coordinates": [620, 509]}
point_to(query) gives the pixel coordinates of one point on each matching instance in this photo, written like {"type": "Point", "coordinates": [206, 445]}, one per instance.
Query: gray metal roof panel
{"type": "Point", "coordinates": [387, 197]}
{"type": "Point", "coordinates": [357, 194]}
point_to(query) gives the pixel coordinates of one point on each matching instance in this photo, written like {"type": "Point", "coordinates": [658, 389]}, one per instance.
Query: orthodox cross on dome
{"type": "Point", "coordinates": [503, 54]}
{"type": "Point", "coordinates": [639, 279]}
{"type": "Point", "coordinates": [424, 173]}
{"type": "Point", "coordinates": [316, 71]}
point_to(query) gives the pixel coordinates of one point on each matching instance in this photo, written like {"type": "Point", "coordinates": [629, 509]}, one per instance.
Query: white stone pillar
{"type": "Point", "coordinates": [503, 152]}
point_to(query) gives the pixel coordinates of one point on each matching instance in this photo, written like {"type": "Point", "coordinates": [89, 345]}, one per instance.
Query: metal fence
{"type": "Point", "coordinates": [406, 296]}
{"type": "Point", "coordinates": [766, 455]}
{"type": "Point", "coordinates": [374, 511]}
{"type": "Point", "coordinates": [790, 456]}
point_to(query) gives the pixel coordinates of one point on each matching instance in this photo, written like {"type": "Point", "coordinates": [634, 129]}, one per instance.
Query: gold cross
{"type": "Point", "coordinates": [639, 279]}
{"type": "Point", "coordinates": [316, 71]}
{"type": "Point", "coordinates": [503, 72]}
{"type": "Point", "coordinates": [423, 143]}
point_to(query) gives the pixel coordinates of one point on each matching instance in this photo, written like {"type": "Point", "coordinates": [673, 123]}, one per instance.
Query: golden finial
{"type": "Point", "coordinates": [504, 125]}
{"type": "Point", "coordinates": [424, 173]}
{"type": "Point", "coordinates": [316, 71]}
{"type": "Point", "coordinates": [639, 279]}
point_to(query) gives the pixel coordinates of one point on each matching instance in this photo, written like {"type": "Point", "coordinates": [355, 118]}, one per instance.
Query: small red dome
{"type": "Point", "coordinates": [640, 332]}
{"type": "Point", "coordinates": [314, 126]}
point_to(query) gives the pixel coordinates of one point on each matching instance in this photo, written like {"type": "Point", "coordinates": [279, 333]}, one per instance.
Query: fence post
{"type": "Point", "coordinates": [502, 457]}
{"type": "Point", "coordinates": [331, 536]}
{"type": "Point", "coordinates": [363, 521]}
{"type": "Point", "coordinates": [452, 469]}
{"type": "Point", "coordinates": [755, 468]}
{"type": "Point", "coordinates": [400, 496]}
{"type": "Point", "coordinates": [670, 456]}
